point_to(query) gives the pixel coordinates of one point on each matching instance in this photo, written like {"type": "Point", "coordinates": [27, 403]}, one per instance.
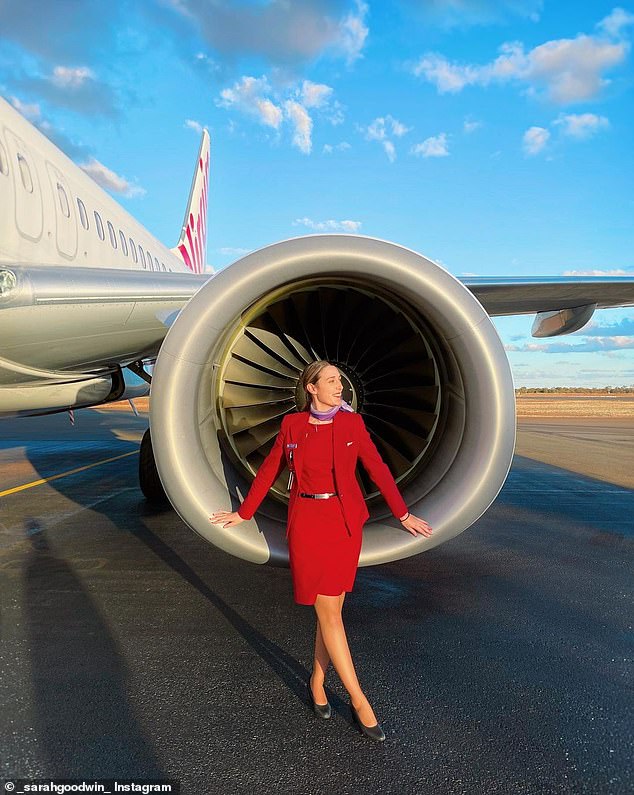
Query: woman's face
{"type": "Point", "coordinates": [328, 388]}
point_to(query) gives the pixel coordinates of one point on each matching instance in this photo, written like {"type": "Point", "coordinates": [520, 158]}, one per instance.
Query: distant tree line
{"type": "Point", "coordinates": [577, 390]}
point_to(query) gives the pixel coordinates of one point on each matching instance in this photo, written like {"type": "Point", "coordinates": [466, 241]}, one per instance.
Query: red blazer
{"type": "Point", "coordinates": [351, 441]}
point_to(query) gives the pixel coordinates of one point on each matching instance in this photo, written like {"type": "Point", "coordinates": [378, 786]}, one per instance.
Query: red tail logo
{"type": "Point", "coordinates": [193, 245]}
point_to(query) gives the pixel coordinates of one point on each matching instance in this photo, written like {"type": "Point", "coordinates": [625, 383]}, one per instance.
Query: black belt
{"type": "Point", "coordinates": [324, 496]}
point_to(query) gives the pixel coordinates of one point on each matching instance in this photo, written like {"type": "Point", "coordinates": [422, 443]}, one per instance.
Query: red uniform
{"type": "Point", "coordinates": [324, 536]}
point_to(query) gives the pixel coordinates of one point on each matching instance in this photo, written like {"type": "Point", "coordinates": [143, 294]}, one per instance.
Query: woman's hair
{"type": "Point", "coordinates": [310, 375]}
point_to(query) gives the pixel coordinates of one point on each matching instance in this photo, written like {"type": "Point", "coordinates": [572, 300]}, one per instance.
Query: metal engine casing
{"type": "Point", "coordinates": [459, 471]}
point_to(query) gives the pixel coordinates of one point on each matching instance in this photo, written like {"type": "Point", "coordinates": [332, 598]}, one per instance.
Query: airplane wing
{"type": "Point", "coordinates": [518, 295]}
{"type": "Point", "coordinates": [561, 304]}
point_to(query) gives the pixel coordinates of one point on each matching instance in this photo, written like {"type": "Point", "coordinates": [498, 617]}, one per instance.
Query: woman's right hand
{"type": "Point", "coordinates": [226, 518]}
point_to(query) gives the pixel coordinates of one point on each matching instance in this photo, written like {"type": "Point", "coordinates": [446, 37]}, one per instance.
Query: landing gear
{"type": "Point", "coordinates": [149, 480]}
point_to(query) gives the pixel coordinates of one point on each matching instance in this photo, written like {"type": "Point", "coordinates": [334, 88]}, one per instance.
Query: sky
{"type": "Point", "coordinates": [492, 136]}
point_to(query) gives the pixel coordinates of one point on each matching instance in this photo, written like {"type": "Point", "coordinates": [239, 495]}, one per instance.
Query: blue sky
{"type": "Point", "coordinates": [493, 137]}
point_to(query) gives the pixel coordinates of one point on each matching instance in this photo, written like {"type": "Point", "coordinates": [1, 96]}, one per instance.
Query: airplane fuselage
{"type": "Point", "coordinates": [52, 213]}
{"type": "Point", "coordinates": [74, 262]}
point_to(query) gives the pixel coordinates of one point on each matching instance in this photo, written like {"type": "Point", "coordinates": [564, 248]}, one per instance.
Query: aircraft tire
{"type": "Point", "coordinates": [149, 480]}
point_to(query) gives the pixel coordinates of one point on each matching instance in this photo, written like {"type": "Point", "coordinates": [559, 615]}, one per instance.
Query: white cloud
{"type": "Point", "coordinates": [470, 126]}
{"type": "Point", "coordinates": [598, 272]}
{"type": "Point", "coordinates": [31, 112]}
{"type": "Point", "coordinates": [581, 125]}
{"type": "Point", "coordinates": [314, 95]}
{"type": "Point", "coordinates": [447, 77]}
{"type": "Point", "coordinates": [625, 327]}
{"type": "Point", "coordinates": [76, 88]}
{"type": "Point", "coordinates": [390, 151]}
{"type": "Point", "coordinates": [107, 179]}
{"type": "Point", "coordinates": [194, 125]}
{"type": "Point", "coordinates": [247, 95]}
{"type": "Point", "coordinates": [269, 113]}
{"type": "Point", "coordinates": [335, 113]}
{"type": "Point", "coordinates": [615, 22]}
{"type": "Point", "coordinates": [255, 97]}
{"type": "Point", "coordinates": [436, 146]}
{"type": "Point", "coordinates": [383, 126]}
{"type": "Point", "coordinates": [341, 147]}
{"type": "Point", "coordinates": [572, 69]}
{"type": "Point", "coordinates": [565, 70]}
{"type": "Point", "coordinates": [69, 77]}
{"type": "Point", "coordinates": [535, 139]}
{"type": "Point", "coordinates": [382, 129]}
{"type": "Point", "coordinates": [231, 251]}
{"type": "Point", "coordinates": [328, 226]}
{"type": "Point", "coordinates": [592, 345]}
{"type": "Point", "coordinates": [302, 125]}
{"type": "Point", "coordinates": [353, 32]}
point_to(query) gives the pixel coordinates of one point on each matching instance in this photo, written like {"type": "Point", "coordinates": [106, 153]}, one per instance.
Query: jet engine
{"type": "Point", "coordinates": [419, 357]}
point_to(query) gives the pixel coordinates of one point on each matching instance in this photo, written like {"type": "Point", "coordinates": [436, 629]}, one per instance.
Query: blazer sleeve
{"type": "Point", "coordinates": [379, 472]}
{"type": "Point", "coordinates": [267, 474]}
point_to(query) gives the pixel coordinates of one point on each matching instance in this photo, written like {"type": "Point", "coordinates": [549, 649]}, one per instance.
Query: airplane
{"type": "Point", "coordinates": [94, 309]}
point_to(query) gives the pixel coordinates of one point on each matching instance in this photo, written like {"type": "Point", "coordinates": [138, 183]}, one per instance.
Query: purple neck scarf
{"type": "Point", "coordinates": [328, 415]}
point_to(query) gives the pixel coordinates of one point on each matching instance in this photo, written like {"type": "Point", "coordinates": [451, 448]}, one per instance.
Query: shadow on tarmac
{"type": "Point", "coordinates": [84, 719]}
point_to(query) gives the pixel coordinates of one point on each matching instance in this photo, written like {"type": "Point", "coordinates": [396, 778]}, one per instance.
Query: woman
{"type": "Point", "coordinates": [320, 445]}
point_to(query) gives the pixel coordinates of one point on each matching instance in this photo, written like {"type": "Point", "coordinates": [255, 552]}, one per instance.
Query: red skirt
{"type": "Point", "coordinates": [323, 556]}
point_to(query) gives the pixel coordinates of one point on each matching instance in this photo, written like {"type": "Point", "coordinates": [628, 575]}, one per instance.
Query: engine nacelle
{"type": "Point", "coordinates": [419, 358]}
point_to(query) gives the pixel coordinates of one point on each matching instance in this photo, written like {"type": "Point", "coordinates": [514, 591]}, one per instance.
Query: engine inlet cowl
{"type": "Point", "coordinates": [419, 358]}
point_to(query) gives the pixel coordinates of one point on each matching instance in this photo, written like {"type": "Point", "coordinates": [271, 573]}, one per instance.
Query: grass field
{"type": "Point", "coordinates": [533, 405]}
{"type": "Point", "coordinates": [571, 405]}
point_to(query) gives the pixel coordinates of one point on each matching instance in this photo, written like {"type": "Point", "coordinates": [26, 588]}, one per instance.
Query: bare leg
{"type": "Point", "coordinates": [328, 609]}
{"type": "Point", "coordinates": [321, 662]}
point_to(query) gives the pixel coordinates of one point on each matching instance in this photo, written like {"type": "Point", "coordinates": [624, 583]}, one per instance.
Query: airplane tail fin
{"type": "Point", "coordinates": [192, 245]}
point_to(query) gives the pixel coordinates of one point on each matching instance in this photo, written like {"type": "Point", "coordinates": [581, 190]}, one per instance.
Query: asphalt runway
{"type": "Point", "coordinates": [498, 662]}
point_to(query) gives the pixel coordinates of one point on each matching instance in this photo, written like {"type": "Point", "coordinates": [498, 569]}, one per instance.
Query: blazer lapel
{"type": "Point", "coordinates": [300, 434]}
{"type": "Point", "coordinates": [339, 436]}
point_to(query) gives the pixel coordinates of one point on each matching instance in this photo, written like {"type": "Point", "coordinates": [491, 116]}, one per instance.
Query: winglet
{"type": "Point", "coordinates": [192, 245]}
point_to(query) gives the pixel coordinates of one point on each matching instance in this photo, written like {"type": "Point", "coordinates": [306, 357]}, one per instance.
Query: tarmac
{"type": "Point", "coordinates": [498, 662]}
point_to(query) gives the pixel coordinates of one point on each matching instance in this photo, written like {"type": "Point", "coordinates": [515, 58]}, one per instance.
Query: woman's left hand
{"type": "Point", "coordinates": [415, 526]}
{"type": "Point", "coordinates": [226, 518]}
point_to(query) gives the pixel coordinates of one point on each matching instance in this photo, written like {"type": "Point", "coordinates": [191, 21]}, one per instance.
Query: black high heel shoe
{"type": "Point", "coordinates": [323, 710]}
{"type": "Point", "coordinates": [373, 732]}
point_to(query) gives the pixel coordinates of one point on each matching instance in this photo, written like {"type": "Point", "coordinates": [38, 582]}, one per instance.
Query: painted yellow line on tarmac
{"type": "Point", "coordinates": [64, 474]}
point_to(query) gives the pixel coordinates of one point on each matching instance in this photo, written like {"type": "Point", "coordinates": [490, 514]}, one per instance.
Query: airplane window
{"type": "Point", "coordinates": [25, 173]}
{"type": "Point", "coordinates": [124, 243]}
{"type": "Point", "coordinates": [99, 225]}
{"type": "Point", "coordinates": [4, 163]}
{"type": "Point", "coordinates": [83, 215]}
{"type": "Point", "coordinates": [133, 250]}
{"type": "Point", "coordinates": [63, 200]}
{"type": "Point", "coordinates": [113, 237]}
